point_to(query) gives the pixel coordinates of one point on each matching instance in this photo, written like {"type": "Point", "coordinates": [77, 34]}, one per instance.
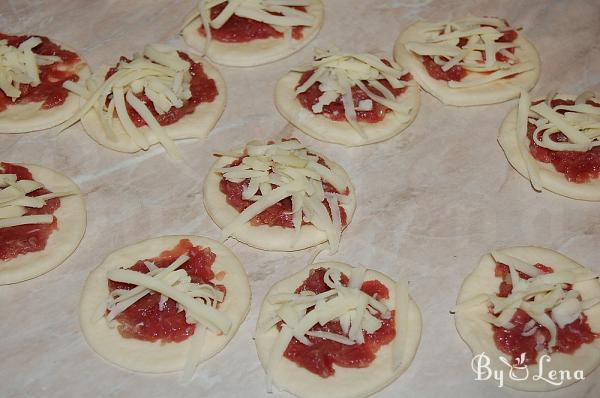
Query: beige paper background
{"type": "Point", "coordinates": [430, 201]}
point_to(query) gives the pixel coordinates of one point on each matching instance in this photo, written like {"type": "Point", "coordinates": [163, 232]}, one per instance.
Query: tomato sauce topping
{"type": "Point", "coordinates": [280, 214]}
{"type": "Point", "coordinates": [144, 320]}
{"type": "Point", "coordinates": [320, 357]}
{"type": "Point", "coordinates": [203, 88]}
{"type": "Point", "coordinates": [28, 238]}
{"type": "Point", "coordinates": [240, 30]}
{"type": "Point", "coordinates": [50, 91]}
{"type": "Point", "coordinates": [578, 167]}
{"type": "Point", "coordinates": [335, 109]}
{"type": "Point", "coordinates": [512, 341]}
{"type": "Point", "coordinates": [457, 72]}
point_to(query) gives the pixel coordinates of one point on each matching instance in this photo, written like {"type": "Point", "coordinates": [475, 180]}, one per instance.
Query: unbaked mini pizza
{"type": "Point", "coordinates": [42, 220]}
{"type": "Point", "coordinates": [279, 196]}
{"type": "Point", "coordinates": [32, 72]}
{"type": "Point", "coordinates": [165, 304]}
{"type": "Point", "coordinates": [336, 331]}
{"type": "Point", "coordinates": [533, 309]}
{"type": "Point", "coordinates": [469, 61]}
{"type": "Point", "coordinates": [554, 141]}
{"type": "Point", "coordinates": [158, 96]}
{"type": "Point", "coordinates": [252, 32]}
{"type": "Point", "coordinates": [349, 99]}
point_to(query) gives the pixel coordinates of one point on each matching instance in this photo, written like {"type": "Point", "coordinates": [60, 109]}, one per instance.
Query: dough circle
{"type": "Point", "coordinates": [24, 118]}
{"type": "Point", "coordinates": [264, 237]}
{"type": "Point", "coordinates": [347, 382]}
{"type": "Point", "coordinates": [255, 52]}
{"type": "Point", "coordinates": [324, 129]}
{"type": "Point", "coordinates": [478, 334]}
{"type": "Point", "coordinates": [63, 241]}
{"type": "Point", "coordinates": [485, 94]}
{"type": "Point", "coordinates": [154, 357]}
{"type": "Point", "coordinates": [194, 125]}
{"type": "Point", "coordinates": [552, 180]}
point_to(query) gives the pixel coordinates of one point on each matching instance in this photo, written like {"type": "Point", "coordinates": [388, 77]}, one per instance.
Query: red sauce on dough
{"type": "Point", "coordinates": [457, 72]}
{"type": "Point", "coordinates": [50, 91]}
{"type": "Point", "coordinates": [277, 215]}
{"type": "Point", "coordinates": [203, 88]}
{"type": "Point", "coordinates": [28, 238]}
{"type": "Point", "coordinates": [144, 320]}
{"type": "Point", "coordinates": [239, 29]}
{"type": "Point", "coordinates": [511, 341]}
{"type": "Point", "coordinates": [578, 167]}
{"type": "Point", "coordinates": [335, 109]}
{"type": "Point", "coordinates": [320, 357]}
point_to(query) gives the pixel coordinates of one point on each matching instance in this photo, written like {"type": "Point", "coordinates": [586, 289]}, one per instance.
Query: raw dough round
{"type": "Point", "coordinates": [154, 357]}
{"type": "Point", "coordinates": [194, 125]}
{"type": "Point", "coordinates": [490, 93]}
{"type": "Point", "coordinates": [24, 118]}
{"type": "Point", "coordinates": [263, 236]}
{"type": "Point", "coordinates": [62, 242]}
{"type": "Point", "coordinates": [552, 180]}
{"type": "Point", "coordinates": [478, 334]}
{"type": "Point", "coordinates": [324, 129]}
{"type": "Point", "coordinates": [255, 52]}
{"type": "Point", "coordinates": [347, 382]}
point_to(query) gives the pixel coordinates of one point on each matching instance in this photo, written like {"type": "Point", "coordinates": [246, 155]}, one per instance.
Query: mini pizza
{"type": "Point", "coordinates": [252, 32]}
{"type": "Point", "coordinates": [523, 303]}
{"type": "Point", "coordinates": [335, 331]}
{"type": "Point", "coordinates": [279, 196]}
{"type": "Point", "coordinates": [159, 96]}
{"type": "Point", "coordinates": [554, 142]}
{"type": "Point", "coordinates": [349, 99]}
{"type": "Point", "coordinates": [470, 61]}
{"type": "Point", "coordinates": [42, 221]}
{"type": "Point", "coordinates": [32, 72]}
{"type": "Point", "coordinates": [165, 304]}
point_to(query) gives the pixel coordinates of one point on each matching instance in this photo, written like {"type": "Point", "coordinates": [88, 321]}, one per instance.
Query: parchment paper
{"type": "Point", "coordinates": [430, 201]}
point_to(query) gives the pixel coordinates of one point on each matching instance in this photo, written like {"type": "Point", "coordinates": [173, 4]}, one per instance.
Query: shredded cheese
{"type": "Point", "coordinates": [199, 301]}
{"type": "Point", "coordinates": [579, 123]}
{"type": "Point", "coordinates": [287, 169]}
{"type": "Point", "coordinates": [476, 55]}
{"type": "Point", "coordinates": [280, 14]}
{"type": "Point", "coordinates": [538, 296]}
{"type": "Point", "coordinates": [20, 65]}
{"type": "Point", "coordinates": [159, 73]}
{"type": "Point", "coordinates": [14, 201]}
{"type": "Point", "coordinates": [337, 72]}
{"type": "Point", "coordinates": [347, 304]}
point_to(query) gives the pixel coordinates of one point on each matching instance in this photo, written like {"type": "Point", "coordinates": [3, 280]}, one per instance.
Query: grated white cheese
{"type": "Point", "coordinates": [337, 72]}
{"type": "Point", "coordinates": [478, 55]}
{"type": "Point", "coordinates": [580, 123]}
{"type": "Point", "coordinates": [199, 301]}
{"type": "Point", "coordinates": [349, 305]}
{"type": "Point", "coordinates": [539, 295]}
{"type": "Point", "coordinates": [283, 170]}
{"type": "Point", "coordinates": [14, 201]}
{"type": "Point", "coordinates": [159, 73]}
{"type": "Point", "coordinates": [280, 14]}
{"type": "Point", "coordinates": [20, 65]}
